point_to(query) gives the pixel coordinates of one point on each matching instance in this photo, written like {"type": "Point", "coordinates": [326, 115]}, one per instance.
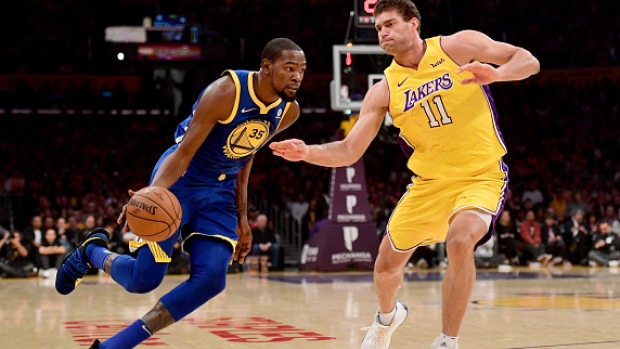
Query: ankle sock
{"type": "Point", "coordinates": [97, 255]}
{"type": "Point", "coordinates": [453, 338]}
{"type": "Point", "coordinates": [386, 318]}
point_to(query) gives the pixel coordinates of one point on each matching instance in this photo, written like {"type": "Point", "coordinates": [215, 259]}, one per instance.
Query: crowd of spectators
{"type": "Point", "coordinates": [67, 37]}
{"type": "Point", "coordinates": [564, 150]}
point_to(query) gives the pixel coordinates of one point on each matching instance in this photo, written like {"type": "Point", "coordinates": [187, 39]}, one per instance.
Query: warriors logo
{"type": "Point", "coordinates": [246, 138]}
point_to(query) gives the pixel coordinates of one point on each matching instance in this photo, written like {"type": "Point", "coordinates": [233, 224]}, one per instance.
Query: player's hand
{"type": "Point", "coordinates": [290, 149]}
{"type": "Point", "coordinates": [484, 74]}
{"type": "Point", "coordinates": [244, 242]}
{"type": "Point", "coordinates": [121, 216]}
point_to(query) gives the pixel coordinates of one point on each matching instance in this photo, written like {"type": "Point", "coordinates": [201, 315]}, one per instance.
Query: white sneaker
{"type": "Point", "coordinates": [378, 335]}
{"type": "Point", "coordinates": [444, 343]}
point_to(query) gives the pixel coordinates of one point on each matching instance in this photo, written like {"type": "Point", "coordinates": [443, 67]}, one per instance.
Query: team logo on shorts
{"type": "Point", "coordinates": [246, 138]}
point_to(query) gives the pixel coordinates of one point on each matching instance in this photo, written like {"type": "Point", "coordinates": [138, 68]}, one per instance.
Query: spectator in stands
{"type": "Point", "coordinates": [610, 215]}
{"type": "Point", "coordinates": [606, 249]}
{"type": "Point", "coordinates": [554, 241]}
{"type": "Point", "coordinates": [533, 193]}
{"type": "Point", "coordinates": [592, 224]}
{"type": "Point", "coordinates": [52, 251]}
{"type": "Point", "coordinates": [425, 256]}
{"type": "Point", "coordinates": [72, 232]}
{"type": "Point", "coordinates": [577, 203]}
{"type": "Point", "coordinates": [299, 207]}
{"type": "Point", "coordinates": [531, 236]}
{"type": "Point", "coordinates": [507, 237]}
{"type": "Point", "coordinates": [116, 243]}
{"type": "Point", "coordinates": [180, 262]}
{"type": "Point", "coordinates": [558, 203]}
{"type": "Point", "coordinates": [48, 223]}
{"type": "Point", "coordinates": [34, 231]}
{"type": "Point", "coordinates": [89, 225]}
{"type": "Point", "coordinates": [487, 256]}
{"type": "Point", "coordinates": [615, 223]}
{"type": "Point", "coordinates": [16, 256]}
{"type": "Point", "coordinates": [61, 229]}
{"type": "Point", "coordinates": [577, 238]}
{"type": "Point", "coordinates": [264, 241]}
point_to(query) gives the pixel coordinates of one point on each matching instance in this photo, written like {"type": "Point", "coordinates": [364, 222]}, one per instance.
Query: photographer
{"type": "Point", "coordinates": [15, 256]}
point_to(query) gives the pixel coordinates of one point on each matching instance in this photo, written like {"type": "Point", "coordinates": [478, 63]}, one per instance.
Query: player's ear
{"type": "Point", "coordinates": [415, 23]}
{"type": "Point", "coordinates": [266, 65]}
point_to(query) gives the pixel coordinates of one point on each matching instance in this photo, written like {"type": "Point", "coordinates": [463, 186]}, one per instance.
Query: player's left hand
{"type": "Point", "coordinates": [244, 242]}
{"type": "Point", "coordinates": [484, 74]}
{"type": "Point", "coordinates": [121, 217]}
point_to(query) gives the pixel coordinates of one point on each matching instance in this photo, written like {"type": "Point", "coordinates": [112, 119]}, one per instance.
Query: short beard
{"type": "Point", "coordinates": [285, 97]}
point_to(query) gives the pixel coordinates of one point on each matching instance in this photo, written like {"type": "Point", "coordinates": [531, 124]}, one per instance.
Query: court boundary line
{"type": "Point", "coordinates": [566, 345]}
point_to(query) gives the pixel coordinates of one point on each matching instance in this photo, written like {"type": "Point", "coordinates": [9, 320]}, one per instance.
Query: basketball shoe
{"type": "Point", "coordinates": [76, 264]}
{"type": "Point", "coordinates": [378, 335]}
{"type": "Point", "coordinates": [444, 343]}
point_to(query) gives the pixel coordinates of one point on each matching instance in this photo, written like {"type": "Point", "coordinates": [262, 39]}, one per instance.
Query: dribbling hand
{"type": "Point", "coordinates": [121, 216]}
{"type": "Point", "coordinates": [290, 149]}
{"type": "Point", "coordinates": [484, 74]}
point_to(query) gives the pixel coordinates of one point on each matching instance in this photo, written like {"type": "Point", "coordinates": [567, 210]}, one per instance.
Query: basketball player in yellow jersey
{"type": "Point", "coordinates": [436, 91]}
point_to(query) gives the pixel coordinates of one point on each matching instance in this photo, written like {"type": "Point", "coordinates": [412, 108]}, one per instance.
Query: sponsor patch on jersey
{"type": "Point", "coordinates": [246, 138]}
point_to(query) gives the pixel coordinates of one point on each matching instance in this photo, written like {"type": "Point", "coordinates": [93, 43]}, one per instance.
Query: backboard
{"type": "Point", "coordinates": [356, 69]}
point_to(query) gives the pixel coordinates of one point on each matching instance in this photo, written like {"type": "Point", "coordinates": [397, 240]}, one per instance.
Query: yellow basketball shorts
{"type": "Point", "coordinates": [424, 212]}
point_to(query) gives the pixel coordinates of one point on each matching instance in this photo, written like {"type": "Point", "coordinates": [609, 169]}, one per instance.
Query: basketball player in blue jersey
{"type": "Point", "coordinates": [207, 169]}
{"type": "Point", "coordinates": [435, 90]}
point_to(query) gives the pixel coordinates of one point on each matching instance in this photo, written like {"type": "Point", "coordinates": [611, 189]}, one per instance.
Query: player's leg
{"type": "Point", "coordinates": [388, 274]}
{"type": "Point", "coordinates": [137, 275]}
{"type": "Point", "coordinates": [474, 205]}
{"type": "Point", "coordinates": [140, 274]}
{"type": "Point", "coordinates": [209, 258]}
{"type": "Point", "coordinates": [466, 230]}
{"type": "Point", "coordinates": [388, 277]}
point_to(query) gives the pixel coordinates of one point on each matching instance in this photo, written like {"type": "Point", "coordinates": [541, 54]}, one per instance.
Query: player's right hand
{"type": "Point", "coordinates": [290, 149]}
{"type": "Point", "coordinates": [121, 216]}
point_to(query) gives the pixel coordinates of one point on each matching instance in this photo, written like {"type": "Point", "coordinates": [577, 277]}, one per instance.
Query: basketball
{"type": "Point", "coordinates": [153, 213]}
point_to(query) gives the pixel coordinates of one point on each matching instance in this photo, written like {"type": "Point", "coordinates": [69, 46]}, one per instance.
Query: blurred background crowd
{"type": "Point", "coordinates": [67, 171]}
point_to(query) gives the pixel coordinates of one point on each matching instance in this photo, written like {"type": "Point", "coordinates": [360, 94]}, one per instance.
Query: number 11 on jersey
{"type": "Point", "coordinates": [432, 119]}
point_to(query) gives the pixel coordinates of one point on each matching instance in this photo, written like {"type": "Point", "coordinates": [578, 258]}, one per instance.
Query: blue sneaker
{"type": "Point", "coordinates": [76, 264]}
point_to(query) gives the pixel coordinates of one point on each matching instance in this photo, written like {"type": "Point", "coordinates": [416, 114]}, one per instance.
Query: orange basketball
{"type": "Point", "coordinates": [153, 213]}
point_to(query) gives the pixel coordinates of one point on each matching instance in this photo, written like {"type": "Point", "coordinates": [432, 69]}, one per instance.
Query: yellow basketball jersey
{"type": "Point", "coordinates": [451, 127]}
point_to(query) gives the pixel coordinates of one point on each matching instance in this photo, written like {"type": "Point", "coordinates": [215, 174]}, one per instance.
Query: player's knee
{"type": "Point", "coordinates": [460, 245]}
{"type": "Point", "coordinates": [143, 283]}
{"type": "Point", "coordinates": [214, 280]}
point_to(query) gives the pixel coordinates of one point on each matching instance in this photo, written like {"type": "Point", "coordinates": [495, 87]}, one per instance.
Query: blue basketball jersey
{"type": "Point", "coordinates": [227, 147]}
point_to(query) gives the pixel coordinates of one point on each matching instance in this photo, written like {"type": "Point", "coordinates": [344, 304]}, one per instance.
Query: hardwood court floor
{"type": "Point", "coordinates": [522, 309]}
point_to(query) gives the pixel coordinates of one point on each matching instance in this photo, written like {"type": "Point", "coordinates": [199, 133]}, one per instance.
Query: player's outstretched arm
{"type": "Point", "coordinates": [348, 150]}
{"type": "Point", "coordinates": [473, 50]}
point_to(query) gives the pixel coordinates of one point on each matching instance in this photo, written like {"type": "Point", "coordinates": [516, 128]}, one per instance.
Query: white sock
{"type": "Point", "coordinates": [386, 318]}
{"type": "Point", "coordinates": [453, 338]}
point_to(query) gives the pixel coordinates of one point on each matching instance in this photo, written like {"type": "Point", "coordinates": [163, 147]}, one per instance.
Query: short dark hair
{"type": "Point", "coordinates": [406, 8]}
{"type": "Point", "coordinates": [274, 48]}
